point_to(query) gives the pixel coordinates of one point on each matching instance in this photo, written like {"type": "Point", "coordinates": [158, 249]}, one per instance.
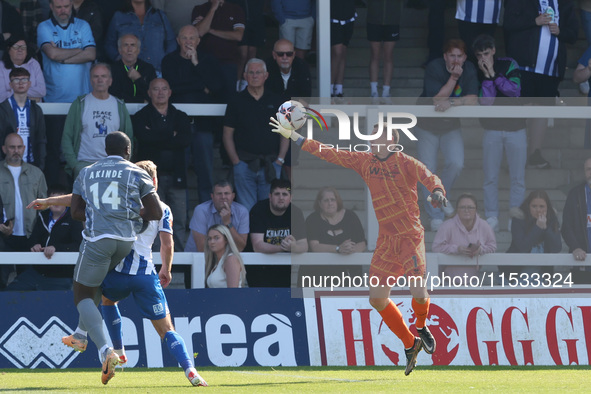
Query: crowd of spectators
{"type": "Point", "coordinates": [100, 55]}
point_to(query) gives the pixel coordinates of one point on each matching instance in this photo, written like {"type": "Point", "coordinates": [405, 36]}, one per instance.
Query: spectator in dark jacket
{"type": "Point", "coordinates": [54, 231]}
{"type": "Point", "coordinates": [163, 133]}
{"type": "Point", "coordinates": [289, 76]}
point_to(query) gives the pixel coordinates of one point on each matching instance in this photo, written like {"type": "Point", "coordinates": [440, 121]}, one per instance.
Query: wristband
{"type": "Point", "coordinates": [281, 160]}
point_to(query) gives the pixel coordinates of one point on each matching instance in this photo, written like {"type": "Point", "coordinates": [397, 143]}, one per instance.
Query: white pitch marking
{"type": "Point", "coordinates": [296, 376]}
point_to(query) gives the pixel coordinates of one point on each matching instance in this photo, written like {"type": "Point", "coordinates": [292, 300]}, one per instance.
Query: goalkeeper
{"type": "Point", "coordinates": [392, 181]}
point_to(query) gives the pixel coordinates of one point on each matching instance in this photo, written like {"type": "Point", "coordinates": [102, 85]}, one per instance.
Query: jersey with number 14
{"type": "Point", "coordinates": [112, 189]}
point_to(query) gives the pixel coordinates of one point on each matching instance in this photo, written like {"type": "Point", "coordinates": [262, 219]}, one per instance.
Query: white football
{"type": "Point", "coordinates": [292, 115]}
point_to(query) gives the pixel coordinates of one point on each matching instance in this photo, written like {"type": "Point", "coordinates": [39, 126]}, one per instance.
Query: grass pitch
{"type": "Point", "coordinates": [306, 379]}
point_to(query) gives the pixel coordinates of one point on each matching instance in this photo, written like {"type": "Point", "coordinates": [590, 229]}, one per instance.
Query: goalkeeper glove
{"type": "Point", "coordinates": [437, 199]}
{"type": "Point", "coordinates": [277, 128]}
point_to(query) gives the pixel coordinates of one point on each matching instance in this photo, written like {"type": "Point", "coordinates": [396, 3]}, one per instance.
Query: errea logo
{"type": "Point", "coordinates": [27, 346]}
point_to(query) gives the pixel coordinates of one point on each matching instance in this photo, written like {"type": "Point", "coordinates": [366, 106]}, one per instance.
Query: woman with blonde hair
{"type": "Point", "coordinates": [223, 265]}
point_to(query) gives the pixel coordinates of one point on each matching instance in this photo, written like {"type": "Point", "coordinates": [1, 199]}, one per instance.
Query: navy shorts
{"type": "Point", "coordinates": [146, 289]}
{"type": "Point", "coordinates": [380, 33]}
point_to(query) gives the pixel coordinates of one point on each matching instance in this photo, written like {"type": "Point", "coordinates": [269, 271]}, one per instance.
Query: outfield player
{"type": "Point", "coordinates": [136, 275]}
{"type": "Point", "coordinates": [108, 195]}
{"type": "Point", "coordinates": [392, 181]}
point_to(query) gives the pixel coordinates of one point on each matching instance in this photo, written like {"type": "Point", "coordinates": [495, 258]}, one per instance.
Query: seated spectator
{"type": "Point", "coordinates": [221, 209]}
{"type": "Point", "coordinates": [223, 265]}
{"type": "Point", "coordinates": [20, 115]}
{"type": "Point", "coordinates": [535, 229]}
{"type": "Point", "coordinates": [19, 54]}
{"type": "Point", "coordinates": [465, 234]}
{"type": "Point", "coordinates": [575, 224]}
{"type": "Point", "coordinates": [131, 76]}
{"type": "Point", "coordinates": [289, 76]}
{"type": "Point", "coordinates": [333, 229]}
{"type": "Point", "coordinates": [150, 25]}
{"type": "Point", "coordinates": [54, 231]}
{"type": "Point", "coordinates": [274, 228]}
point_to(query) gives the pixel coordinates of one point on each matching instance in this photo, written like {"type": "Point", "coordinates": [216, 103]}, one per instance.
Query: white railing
{"type": "Point", "coordinates": [197, 262]}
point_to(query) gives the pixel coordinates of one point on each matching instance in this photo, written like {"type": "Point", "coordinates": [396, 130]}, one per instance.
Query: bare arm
{"type": "Point", "coordinates": [78, 208]}
{"type": "Point", "coordinates": [239, 239]}
{"type": "Point", "coordinates": [300, 246]}
{"type": "Point", "coordinates": [582, 73]}
{"type": "Point", "coordinates": [228, 138]}
{"type": "Point", "coordinates": [283, 147]}
{"type": "Point", "coordinates": [152, 209]}
{"type": "Point", "coordinates": [203, 24]}
{"type": "Point", "coordinates": [232, 269]}
{"type": "Point", "coordinates": [166, 253]}
{"type": "Point", "coordinates": [260, 246]}
{"type": "Point", "coordinates": [41, 204]}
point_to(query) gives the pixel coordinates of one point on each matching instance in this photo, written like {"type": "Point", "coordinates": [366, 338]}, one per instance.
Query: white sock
{"type": "Point", "coordinates": [338, 88]}
{"type": "Point", "coordinates": [386, 91]}
{"type": "Point", "coordinates": [103, 352]}
{"type": "Point", "coordinates": [80, 332]}
{"type": "Point", "coordinates": [374, 88]}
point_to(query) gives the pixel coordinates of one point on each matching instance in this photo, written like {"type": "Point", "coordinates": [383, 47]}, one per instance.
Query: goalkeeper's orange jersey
{"type": "Point", "coordinates": [392, 183]}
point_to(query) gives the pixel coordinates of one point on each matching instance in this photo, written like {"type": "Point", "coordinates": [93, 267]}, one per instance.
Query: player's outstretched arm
{"type": "Point", "coordinates": [277, 128]}
{"type": "Point", "coordinates": [41, 204]}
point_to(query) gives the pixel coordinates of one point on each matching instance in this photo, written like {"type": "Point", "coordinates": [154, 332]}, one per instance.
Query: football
{"type": "Point", "coordinates": [292, 115]}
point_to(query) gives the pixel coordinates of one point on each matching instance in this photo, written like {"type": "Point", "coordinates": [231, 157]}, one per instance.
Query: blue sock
{"type": "Point", "coordinates": [112, 318]}
{"type": "Point", "coordinates": [177, 348]}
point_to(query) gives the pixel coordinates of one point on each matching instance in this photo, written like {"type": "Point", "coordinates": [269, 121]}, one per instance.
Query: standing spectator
{"type": "Point", "coordinates": [20, 183]}
{"type": "Point", "coordinates": [221, 28]}
{"type": "Point", "coordinates": [32, 15]}
{"type": "Point", "coordinates": [576, 229]}
{"type": "Point", "coordinates": [54, 231]}
{"type": "Point", "coordinates": [150, 25]}
{"type": "Point", "coordinates": [162, 133]}
{"type": "Point", "coordinates": [581, 76]}
{"type": "Point", "coordinates": [276, 226]}
{"type": "Point", "coordinates": [296, 23]}
{"type": "Point", "coordinates": [68, 50]}
{"type": "Point", "coordinates": [466, 234]}
{"type": "Point", "coordinates": [257, 156]}
{"type": "Point", "coordinates": [500, 79]}
{"type": "Point", "coordinates": [131, 76]}
{"type": "Point", "coordinates": [89, 11]}
{"type": "Point", "coordinates": [436, 29]}
{"type": "Point", "coordinates": [194, 77]}
{"type": "Point", "coordinates": [177, 11]}
{"type": "Point", "coordinates": [535, 227]}
{"type": "Point", "coordinates": [289, 76]}
{"type": "Point", "coordinates": [224, 267]}
{"type": "Point", "coordinates": [383, 30]}
{"type": "Point", "coordinates": [476, 17]}
{"type": "Point", "coordinates": [221, 209]}
{"type": "Point", "coordinates": [19, 54]}
{"type": "Point", "coordinates": [536, 37]}
{"type": "Point", "coordinates": [253, 37]}
{"type": "Point", "coordinates": [585, 13]}
{"type": "Point", "coordinates": [11, 24]}
{"type": "Point", "coordinates": [19, 114]}
{"type": "Point", "coordinates": [342, 22]}
{"type": "Point", "coordinates": [90, 119]}
{"type": "Point", "coordinates": [449, 81]}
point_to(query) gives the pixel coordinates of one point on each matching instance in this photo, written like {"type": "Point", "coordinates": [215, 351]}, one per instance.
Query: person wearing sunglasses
{"type": "Point", "coordinates": [289, 76]}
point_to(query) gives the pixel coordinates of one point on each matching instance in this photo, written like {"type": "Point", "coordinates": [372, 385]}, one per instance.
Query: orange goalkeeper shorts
{"type": "Point", "coordinates": [395, 256]}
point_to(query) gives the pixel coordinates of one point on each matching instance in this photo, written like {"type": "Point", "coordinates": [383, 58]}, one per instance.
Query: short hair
{"type": "Point", "coordinates": [395, 132]}
{"type": "Point", "coordinates": [482, 43]}
{"type": "Point", "coordinates": [279, 183]}
{"type": "Point", "coordinates": [106, 65]}
{"type": "Point", "coordinates": [321, 192]}
{"type": "Point", "coordinates": [19, 72]}
{"type": "Point", "coordinates": [116, 143]}
{"type": "Point", "coordinates": [57, 188]}
{"type": "Point", "coordinates": [139, 42]}
{"type": "Point", "coordinates": [469, 196]}
{"type": "Point", "coordinates": [223, 183]}
{"type": "Point", "coordinates": [453, 44]}
{"type": "Point", "coordinates": [149, 167]}
{"type": "Point", "coordinates": [255, 60]}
